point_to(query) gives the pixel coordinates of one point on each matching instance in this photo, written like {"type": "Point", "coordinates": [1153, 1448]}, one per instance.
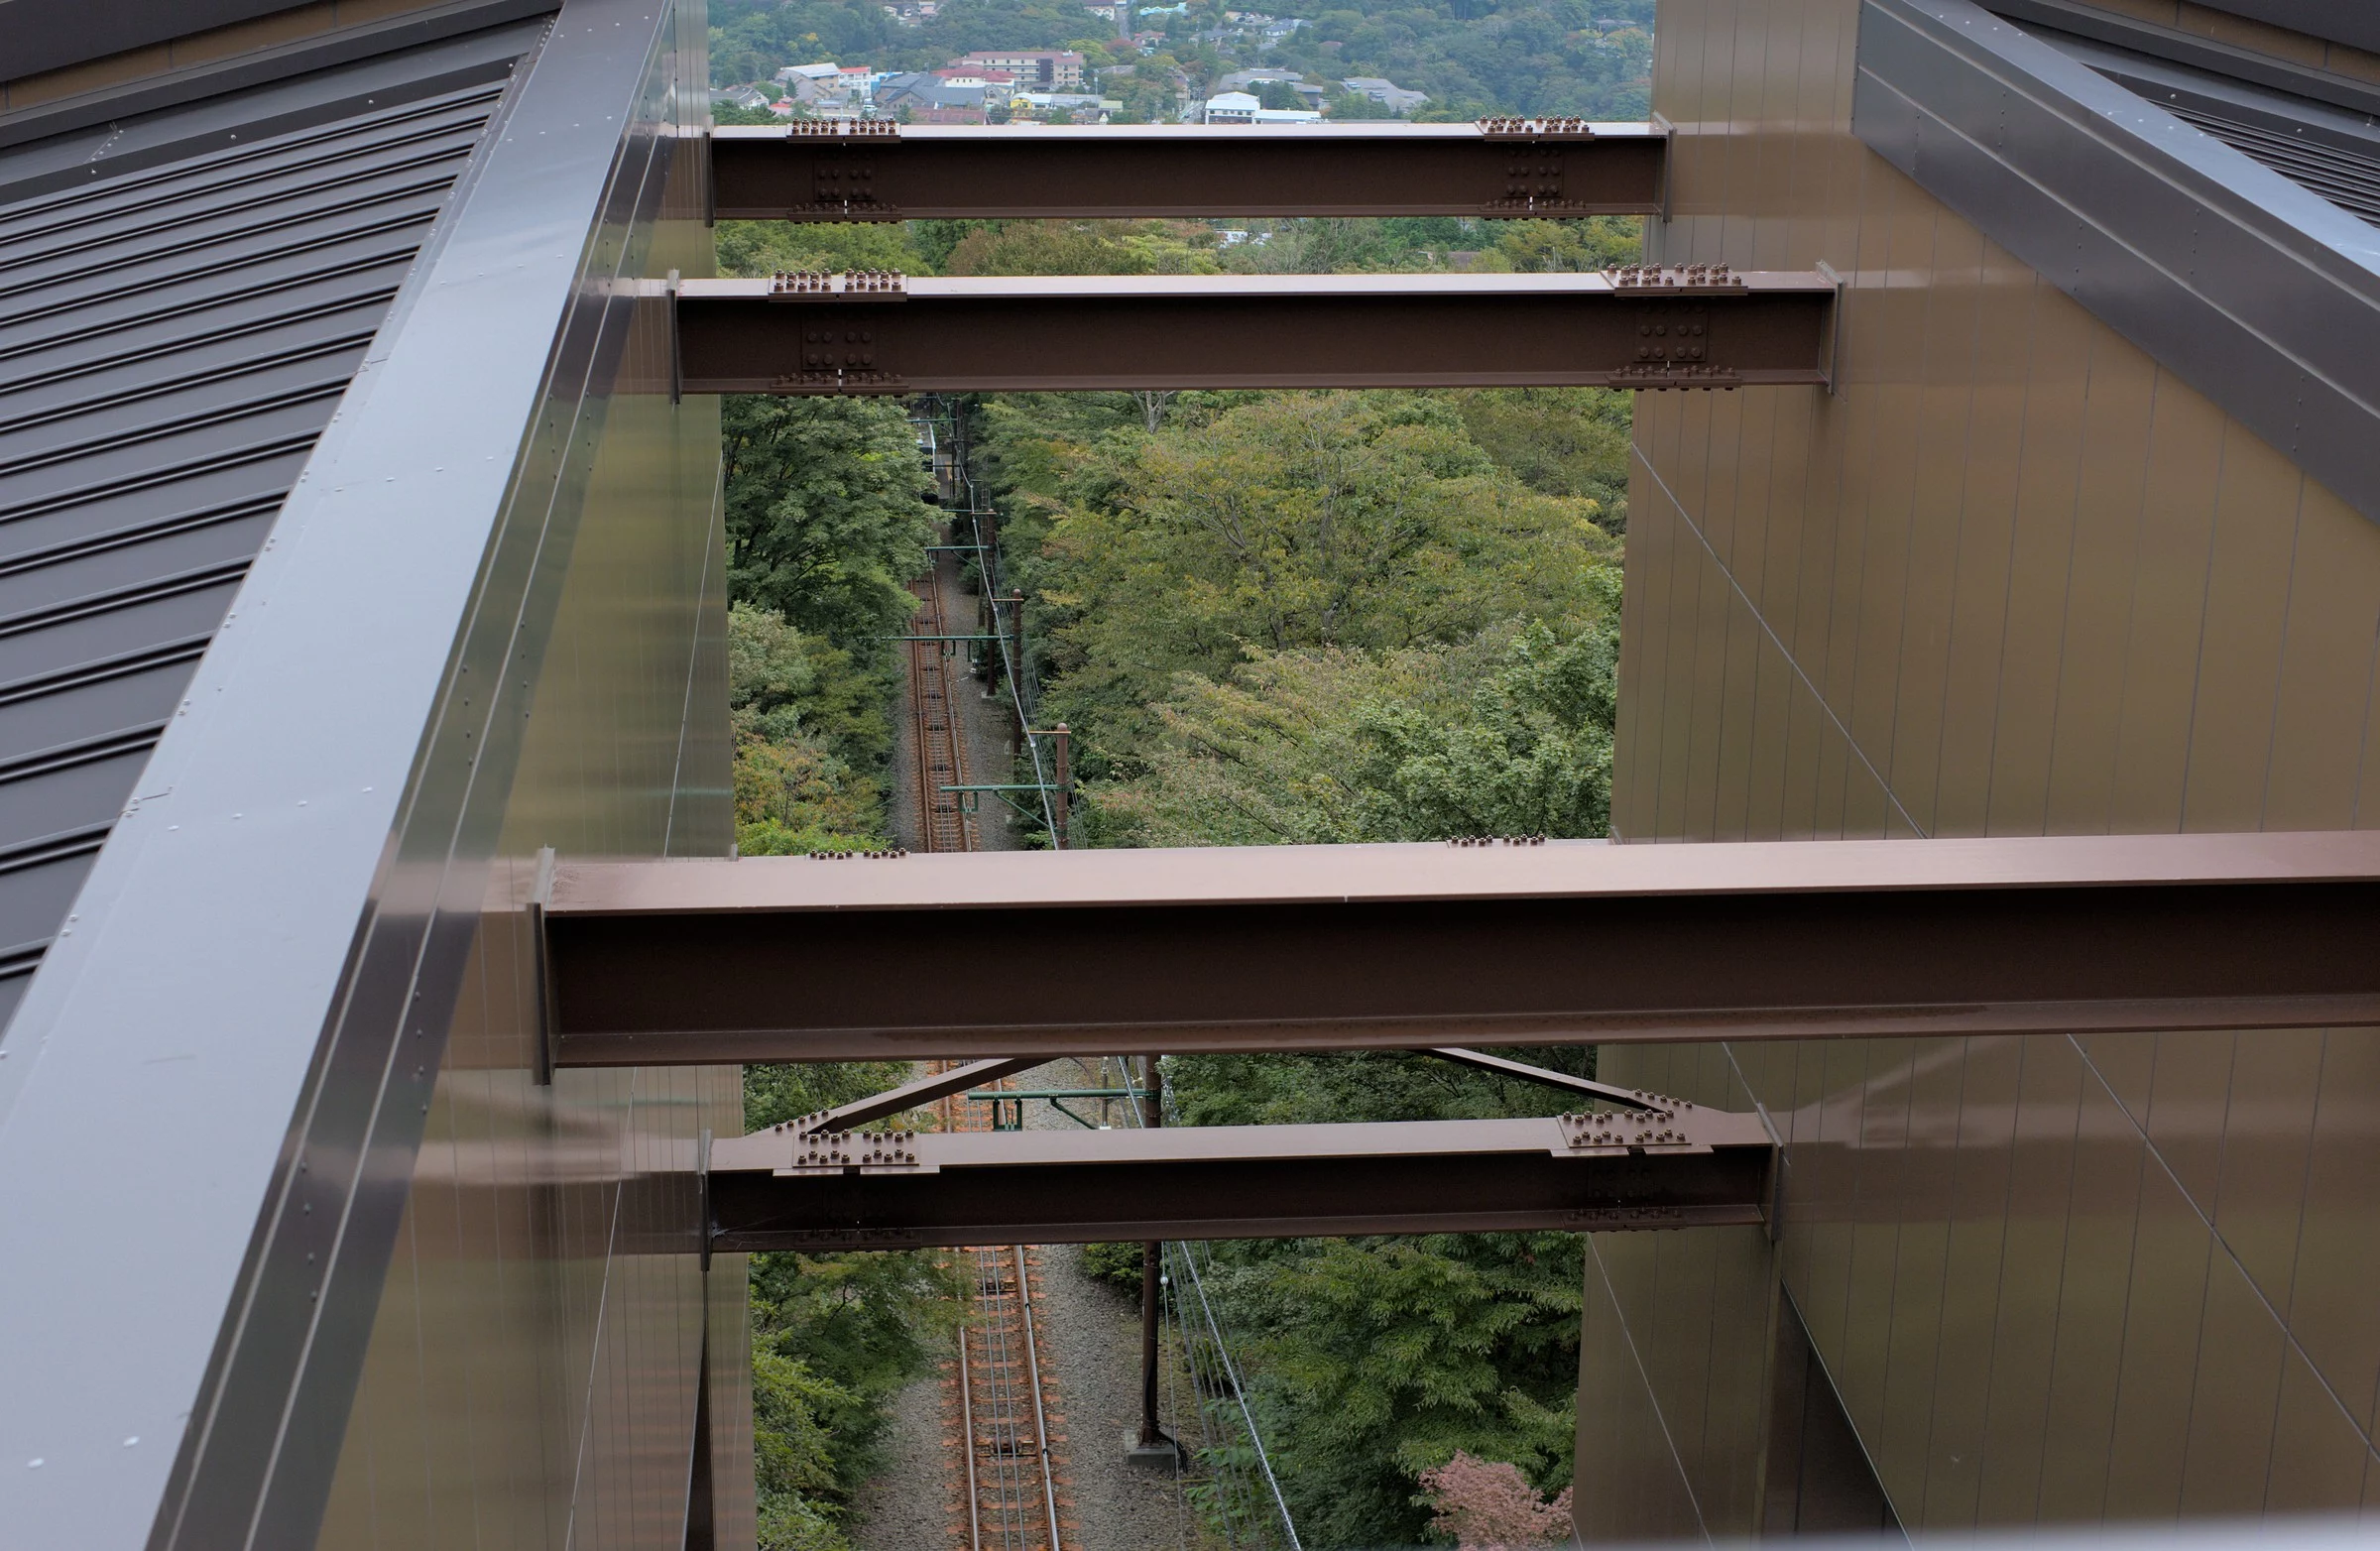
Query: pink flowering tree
{"type": "Point", "coordinates": [1488, 1506]}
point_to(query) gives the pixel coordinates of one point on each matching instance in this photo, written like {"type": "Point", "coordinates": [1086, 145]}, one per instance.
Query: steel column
{"type": "Point", "coordinates": [1152, 1118]}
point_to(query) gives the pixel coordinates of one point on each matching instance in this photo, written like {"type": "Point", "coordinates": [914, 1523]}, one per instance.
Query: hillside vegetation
{"type": "Point", "coordinates": [1590, 57]}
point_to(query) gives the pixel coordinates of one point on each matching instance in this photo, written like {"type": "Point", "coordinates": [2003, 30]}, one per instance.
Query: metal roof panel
{"type": "Point", "coordinates": [174, 336]}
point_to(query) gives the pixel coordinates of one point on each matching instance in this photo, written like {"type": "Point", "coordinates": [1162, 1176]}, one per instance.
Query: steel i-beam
{"type": "Point", "coordinates": [883, 172]}
{"type": "Point", "coordinates": [1424, 946]}
{"type": "Point", "coordinates": [1676, 1166]}
{"type": "Point", "coordinates": [1700, 326]}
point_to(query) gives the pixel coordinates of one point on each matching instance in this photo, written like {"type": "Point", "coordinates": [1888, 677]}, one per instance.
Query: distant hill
{"type": "Point", "coordinates": [1590, 57]}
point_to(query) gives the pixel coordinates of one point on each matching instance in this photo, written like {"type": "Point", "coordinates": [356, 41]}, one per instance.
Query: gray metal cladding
{"type": "Point", "coordinates": [2256, 291]}
{"type": "Point", "coordinates": [2320, 131]}
{"type": "Point", "coordinates": [2340, 170]}
{"type": "Point", "coordinates": [172, 340]}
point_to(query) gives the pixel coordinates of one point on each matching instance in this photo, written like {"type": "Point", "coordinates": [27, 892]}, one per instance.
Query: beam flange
{"type": "Point", "coordinates": [880, 334]}
{"type": "Point", "coordinates": [888, 172]}
{"type": "Point", "coordinates": [1678, 1167]}
{"type": "Point", "coordinates": [1419, 946]}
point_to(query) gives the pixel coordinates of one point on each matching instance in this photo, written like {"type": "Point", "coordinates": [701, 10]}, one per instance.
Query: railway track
{"type": "Point", "coordinates": [1006, 1480]}
{"type": "Point", "coordinates": [943, 823]}
{"type": "Point", "coordinates": [1010, 1479]}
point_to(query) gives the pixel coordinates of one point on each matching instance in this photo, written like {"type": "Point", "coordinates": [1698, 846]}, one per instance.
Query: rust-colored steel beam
{"type": "Point", "coordinates": [1586, 1088]}
{"type": "Point", "coordinates": [1678, 1167]}
{"type": "Point", "coordinates": [910, 1095]}
{"type": "Point", "coordinates": [816, 172]}
{"type": "Point", "coordinates": [1422, 946]}
{"type": "Point", "coordinates": [881, 334]}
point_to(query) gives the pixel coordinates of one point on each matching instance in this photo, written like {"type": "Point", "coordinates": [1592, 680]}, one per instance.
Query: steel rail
{"type": "Point", "coordinates": [1018, 1442]}
{"type": "Point", "coordinates": [1033, 1377]}
{"type": "Point", "coordinates": [944, 825]}
{"type": "Point", "coordinates": [975, 1525]}
{"type": "Point", "coordinates": [882, 172]}
{"type": "Point", "coordinates": [1007, 1456]}
{"type": "Point", "coordinates": [962, 483]}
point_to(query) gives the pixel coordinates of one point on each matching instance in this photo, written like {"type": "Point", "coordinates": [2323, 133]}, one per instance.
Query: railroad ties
{"type": "Point", "coordinates": [942, 824]}
{"type": "Point", "coordinates": [1006, 1483]}
{"type": "Point", "coordinates": [1007, 1480]}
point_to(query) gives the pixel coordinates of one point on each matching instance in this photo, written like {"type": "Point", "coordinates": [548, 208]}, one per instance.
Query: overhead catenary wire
{"type": "Point", "coordinates": [1231, 1385]}
{"type": "Point", "coordinates": [1013, 667]}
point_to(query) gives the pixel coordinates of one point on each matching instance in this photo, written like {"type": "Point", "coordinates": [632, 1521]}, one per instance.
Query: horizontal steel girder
{"type": "Point", "coordinates": [787, 1189]}
{"type": "Point", "coordinates": [1419, 946]}
{"type": "Point", "coordinates": [821, 334]}
{"type": "Point", "coordinates": [976, 172]}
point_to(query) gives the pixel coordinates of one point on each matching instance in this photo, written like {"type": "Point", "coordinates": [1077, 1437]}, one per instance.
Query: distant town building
{"type": "Point", "coordinates": [1388, 93]}
{"type": "Point", "coordinates": [1067, 103]}
{"type": "Point", "coordinates": [749, 98]}
{"type": "Point", "coordinates": [1310, 93]}
{"type": "Point", "coordinates": [991, 82]}
{"type": "Point", "coordinates": [1238, 107]}
{"type": "Point", "coordinates": [920, 91]}
{"type": "Point", "coordinates": [1038, 69]}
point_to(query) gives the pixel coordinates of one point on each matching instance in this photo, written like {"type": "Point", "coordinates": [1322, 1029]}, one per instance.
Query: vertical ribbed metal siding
{"type": "Point", "coordinates": [172, 342]}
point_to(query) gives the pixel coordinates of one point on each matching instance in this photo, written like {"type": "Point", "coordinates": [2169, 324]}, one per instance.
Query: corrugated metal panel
{"type": "Point", "coordinates": [2328, 148]}
{"type": "Point", "coordinates": [173, 339]}
{"type": "Point", "coordinates": [2343, 170]}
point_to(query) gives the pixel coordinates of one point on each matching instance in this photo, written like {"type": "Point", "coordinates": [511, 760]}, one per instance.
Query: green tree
{"type": "Point", "coordinates": [1043, 248]}
{"type": "Point", "coordinates": [794, 1454]}
{"type": "Point", "coordinates": [756, 249]}
{"type": "Point", "coordinates": [751, 40]}
{"type": "Point", "coordinates": [1272, 752]}
{"type": "Point", "coordinates": [1508, 733]}
{"type": "Point", "coordinates": [1531, 756]}
{"type": "Point", "coordinates": [834, 1336]}
{"type": "Point", "coordinates": [1562, 441]}
{"type": "Point", "coordinates": [827, 512]}
{"type": "Point", "coordinates": [784, 686]}
{"type": "Point", "coordinates": [1083, 248]}
{"type": "Point", "coordinates": [1534, 246]}
{"type": "Point", "coordinates": [736, 114]}
{"type": "Point", "coordinates": [1337, 245]}
{"type": "Point", "coordinates": [1285, 522]}
{"type": "Point", "coordinates": [1373, 1360]}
